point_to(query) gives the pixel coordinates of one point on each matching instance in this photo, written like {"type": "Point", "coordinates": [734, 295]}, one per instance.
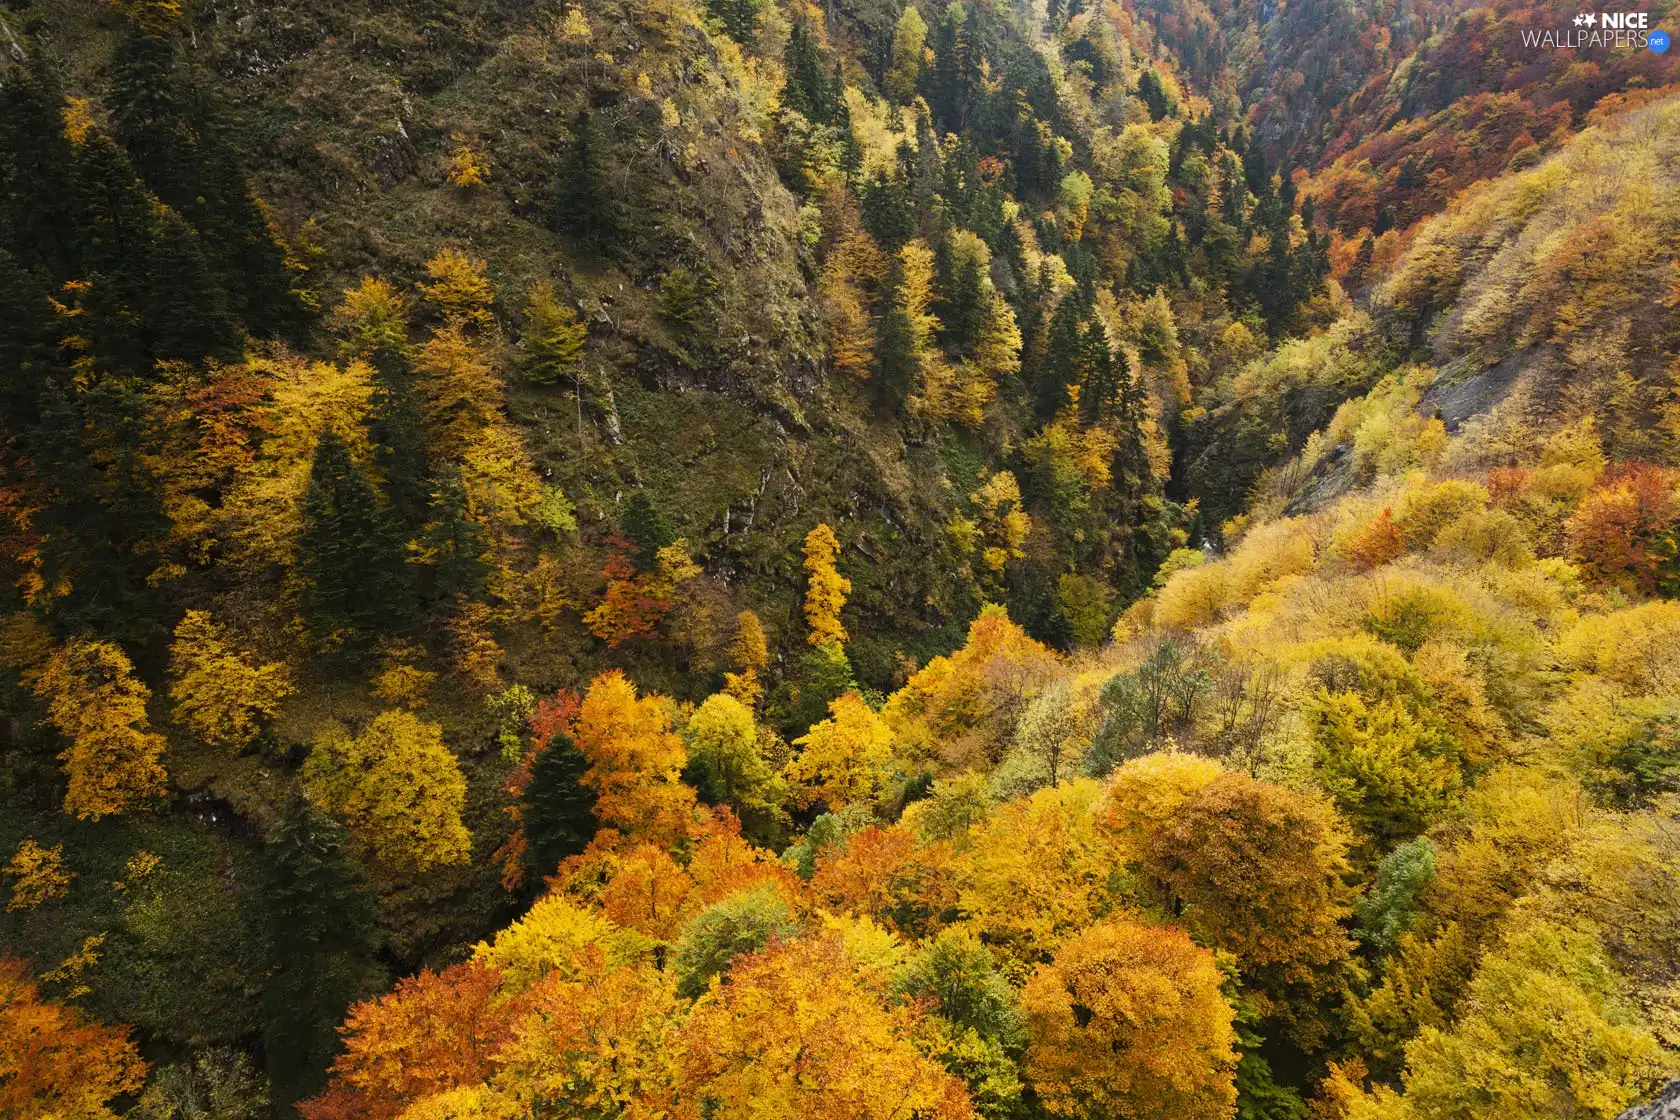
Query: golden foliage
{"type": "Point", "coordinates": [39, 875]}
{"type": "Point", "coordinates": [1259, 870]}
{"type": "Point", "coordinates": [968, 702]}
{"type": "Point", "coordinates": [96, 702]}
{"type": "Point", "coordinates": [397, 787]}
{"type": "Point", "coordinates": [1128, 1020]}
{"type": "Point", "coordinates": [459, 288]}
{"type": "Point", "coordinates": [635, 760]}
{"type": "Point", "coordinates": [1037, 872]}
{"type": "Point", "coordinates": [217, 693]}
{"type": "Point", "coordinates": [468, 165]}
{"type": "Point", "coordinates": [305, 399]}
{"type": "Point", "coordinates": [842, 759]}
{"type": "Point", "coordinates": [749, 652]}
{"type": "Point", "coordinates": [826, 588]}
{"type": "Point", "coordinates": [794, 1032]}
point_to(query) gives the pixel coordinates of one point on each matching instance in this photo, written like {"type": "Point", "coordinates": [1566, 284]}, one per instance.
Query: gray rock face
{"type": "Point", "coordinates": [1665, 1107]}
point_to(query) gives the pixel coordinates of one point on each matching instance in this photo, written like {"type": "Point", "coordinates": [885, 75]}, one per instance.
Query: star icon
{"type": "Point", "coordinates": [1580, 20]}
{"type": "Point", "coordinates": [1592, 19]}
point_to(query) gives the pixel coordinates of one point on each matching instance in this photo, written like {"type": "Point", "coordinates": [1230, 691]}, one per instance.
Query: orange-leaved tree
{"type": "Point", "coordinates": [1259, 871]}
{"type": "Point", "coordinates": [54, 1064]}
{"type": "Point", "coordinates": [436, 1031]}
{"type": "Point", "coordinates": [635, 760]}
{"type": "Point", "coordinates": [1128, 1020]}
{"type": "Point", "coordinates": [797, 1031]}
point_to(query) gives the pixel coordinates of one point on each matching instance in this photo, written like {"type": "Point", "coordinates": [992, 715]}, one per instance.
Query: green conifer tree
{"type": "Point", "coordinates": [1062, 352]}
{"type": "Point", "coordinates": [558, 810]}
{"type": "Point", "coordinates": [585, 205]}
{"type": "Point", "coordinates": [1098, 375]}
{"type": "Point", "coordinates": [806, 90]}
{"type": "Point", "coordinates": [738, 18]}
{"type": "Point", "coordinates": [453, 544]}
{"type": "Point", "coordinates": [356, 584]}
{"type": "Point", "coordinates": [36, 213]}
{"type": "Point", "coordinates": [553, 338]}
{"type": "Point", "coordinates": [187, 315]}
{"type": "Point", "coordinates": [322, 935]}
{"type": "Point", "coordinates": [647, 528]}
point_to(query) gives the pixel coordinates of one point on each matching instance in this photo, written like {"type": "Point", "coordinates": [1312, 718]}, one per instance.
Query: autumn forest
{"type": "Point", "coordinates": [884, 559]}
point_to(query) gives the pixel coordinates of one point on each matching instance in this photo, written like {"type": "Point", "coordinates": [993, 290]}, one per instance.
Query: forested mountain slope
{"type": "Point", "coordinates": [648, 559]}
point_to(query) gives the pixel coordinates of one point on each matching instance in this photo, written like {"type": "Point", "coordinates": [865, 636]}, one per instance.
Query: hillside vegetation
{"type": "Point", "coordinates": [651, 559]}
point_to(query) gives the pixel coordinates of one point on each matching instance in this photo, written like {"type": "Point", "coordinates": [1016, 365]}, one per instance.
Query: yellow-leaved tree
{"type": "Point", "coordinates": [798, 1030]}
{"type": "Point", "coordinates": [826, 590]}
{"type": "Point", "coordinates": [96, 702]}
{"type": "Point", "coordinates": [1547, 1030]}
{"type": "Point", "coordinates": [749, 652]}
{"type": "Point", "coordinates": [723, 747]}
{"type": "Point", "coordinates": [635, 760]}
{"type": "Point", "coordinates": [305, 399]}
{"type": "Point", "coordinates": [1128, 1020]}
{"type": "Point", "coordinates": [844, 758]}
{"type": "Point", "coordinates": [846, 311]}
{"type": "Point", "coordinates": [218, 693]}
{"type": "Point", "coordinates": [38, 875]}
{"type": "Point", "coordinates": [398, 789]}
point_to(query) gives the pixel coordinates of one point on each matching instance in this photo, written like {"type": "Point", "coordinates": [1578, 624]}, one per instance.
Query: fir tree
{"type": "Point", "coordinates": [552, 340]}
{"type": "Point", "coordinates": [115, 238]}
{"type": "Point", "coordinates": [171, 131]}
{"type": "Point", "coordinates": [356, 584]}
{"type": "Point", "coordinates": [1153, 93]}
{"type": "Point", "coordinates": [453, 545]}
{"type": "Point", "coordinates": [738, 18]}
{"type": "Point", "coordinates": [585, 205]}
{"type": "Point", "coordinates": [806, 90]}
{"type": "Point", "coordinates": [322, 934]}
{"type": "Point", "coordinates": [964, 309]}
{"type": "Point", "coordinates": [558, 810]}
{"type": "Point", "coordinates": [36, 216]}
{"type": "Point", "coordinates": [378, 336]}
{"type": "Point", "coordinates": [27, 342]}
{"type": "Point", "coordinates": [647, 528]}
{"type": "Point", "coordinates": [148, 107]}
{"type": "Point", "coordinates": [896, 359]}
{"type": "Point", "coordinates": [1062, 352]}
{"type": "Point", "coordinates": [1099, 385]}
{"type": "Point", "coordinates": [888, 214]}
{"type": "Point", "coordinates": [187, 313]}
{"type": "Point", "coordinates": [823, 673]}
{"type": "Point", "coordinates": [103, 520]}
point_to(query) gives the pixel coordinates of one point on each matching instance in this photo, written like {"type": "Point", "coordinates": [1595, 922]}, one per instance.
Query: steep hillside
{"type": "Point", "coordinates": [646, 558]}
{"type": "Point", "coordinates": [1541, 296]}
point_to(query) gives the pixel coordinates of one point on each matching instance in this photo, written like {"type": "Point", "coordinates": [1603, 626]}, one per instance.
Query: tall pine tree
{"type": "Point", "coordinates": [322, 935]}
{"type": "Point", "coordinates": [356, 584]}
{"type": "Point", "coordinates": [453, 545]}
{"type": "Point", "coordinates": [558, 810]}
{"type": "Point", "coordinates": [585, 205]}
{"type": "Point", "coordinates": [377, 333]}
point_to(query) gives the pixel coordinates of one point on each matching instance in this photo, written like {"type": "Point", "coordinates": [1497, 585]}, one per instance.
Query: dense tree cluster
{"type": "Point", "coordinates": [708, 559]}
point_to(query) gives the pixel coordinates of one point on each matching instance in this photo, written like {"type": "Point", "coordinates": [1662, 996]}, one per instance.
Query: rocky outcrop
{"type": "Point", "coordinates": [1665, 1107]}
